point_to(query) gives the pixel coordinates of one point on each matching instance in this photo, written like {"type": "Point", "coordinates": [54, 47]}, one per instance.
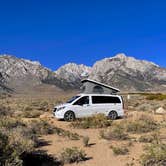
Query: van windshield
{"type": "Point", "coordinates": [72, 99]}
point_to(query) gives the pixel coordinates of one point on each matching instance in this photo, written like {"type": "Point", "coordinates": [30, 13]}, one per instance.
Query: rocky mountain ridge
{"type": "Point", "coordinates": [128, 73]}
{"type": "Point", "coordinates": [121, 71]}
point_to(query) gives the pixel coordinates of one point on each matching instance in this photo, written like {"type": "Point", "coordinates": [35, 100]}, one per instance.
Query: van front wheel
{"type": "Point", "coordinates": [113, 115]}
{"type": "Point", "coordinates": [69, 116]}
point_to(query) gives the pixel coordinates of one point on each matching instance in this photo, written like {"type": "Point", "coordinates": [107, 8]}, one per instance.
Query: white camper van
{"type": "Point", "coordinates": [86, 105]}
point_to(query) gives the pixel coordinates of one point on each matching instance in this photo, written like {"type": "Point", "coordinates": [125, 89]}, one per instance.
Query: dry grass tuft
{"type": "Point", "coordinates": [97, 121]}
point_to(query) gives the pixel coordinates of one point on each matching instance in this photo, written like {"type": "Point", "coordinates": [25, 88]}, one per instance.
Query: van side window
{"type": "Point", "coordinates": [98, 89]}
{"type": "Point", "coordinates": [105, 99]}
{"type": "Point", "coordinates": [82, 101]}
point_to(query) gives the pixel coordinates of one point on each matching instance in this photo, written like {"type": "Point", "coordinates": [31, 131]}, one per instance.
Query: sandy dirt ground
{"type": "Point", "coordinates": [99, 153]}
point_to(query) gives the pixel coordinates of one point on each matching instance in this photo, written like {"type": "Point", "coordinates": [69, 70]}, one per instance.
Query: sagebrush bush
{"type": "Point", "coordinates": [123, 150]}
{"type": "Point", "coordinates": [157, 96]}
{"type": "Point", "coordinates": [97, 121]}
{"type": "Point", "coordinates": [145, 139]}
{"type": "Point", "coordinates": [141, 124]}
{"type": "Point", "coordinates": [28, 108]}
{"type": "Point", "coordinates": [5, 111]}
{"type": "Point", "coordinates": [85, 141]}
{"type": "Point", "coordinates": [12, 145]}
{"type": "Point", "coordinates": [41, 127]}
{"type": "Point", "coordinates": [18, 138]}
{"type": "Point", "coordinates": [155, 155]}
{"type": "Point", "coordinates": [10, 123]}
{"type": "Point", "coordinates": [72, 155]}
{"type": "Point", "coordinates": [66, 133]}
{"type": "Point", "coordinates": [150, 138]}
{"type": "Point", "coordinates": [116, 132]}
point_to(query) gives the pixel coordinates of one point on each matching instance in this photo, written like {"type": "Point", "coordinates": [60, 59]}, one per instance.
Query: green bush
{"type": "Point", "coordinates": [10, 123]}
{"type": "Point", "coordinates": [155, 155]}
{"type": "Point", "coordinates": [154, 137]}
{"type": "Point", "coordinates": [116, 132]}
{"type": "Point", "coordinates": [85, 141]}
{"type": "Point", "coordinates": [120, 150]}
{"type": "Point", "coordinates": [66, 133]}
{"type": "Point", "coordinates": [12, 146]}
{"type": "Point", "coordinates": [27, 108]}
{"type": "Point", "coordinates": [43, 106]}
{"type": "Point", "coordinates": [97, 121]}
{"type": "Point", "coordinates": [5, 111]}
{"type": "Point", "coordinates": [72, 155]}
{"type": "Point", "coordinates": [18, 138]}
{"type": "Point", "coordinates": [141, 124]}
{"type": "Point", "coordinates": [157, 96]}
{"type": "Point", "coordinates": [43, 128]}
{"type": "Point", "coordinates": [146, 139]}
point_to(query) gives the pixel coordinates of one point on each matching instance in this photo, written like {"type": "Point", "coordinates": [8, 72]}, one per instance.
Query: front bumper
{"type": "Point", "coordinates": [58, 115]}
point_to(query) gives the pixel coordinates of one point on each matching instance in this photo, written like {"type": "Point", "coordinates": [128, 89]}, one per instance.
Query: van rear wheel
{"type": "Point", "coordinates": [113, 115]}
{"type": "Point", "coordinates": [69, 116]}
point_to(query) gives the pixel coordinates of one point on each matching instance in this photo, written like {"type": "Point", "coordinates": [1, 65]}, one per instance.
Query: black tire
{"type": "Point", "coordinates": [69, 116]}
{"type": "Point", "coordinates": [113, 115]}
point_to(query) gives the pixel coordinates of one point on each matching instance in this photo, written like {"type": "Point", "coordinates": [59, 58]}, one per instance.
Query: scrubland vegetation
{"type": "Point", "coordinates": [71, 155]}
{"type": "Point", "coordinates": [23, 134]}
{"type": "Point", "coordinates": [20, 137]}
{"type": "Point", "coordinates": [157, 96]}
{"type": "Point", "coordinates": [97, 121]}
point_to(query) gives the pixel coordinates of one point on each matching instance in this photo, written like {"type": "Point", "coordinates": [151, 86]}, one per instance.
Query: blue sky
{"type": "Point", "coordinates": [56, 32]}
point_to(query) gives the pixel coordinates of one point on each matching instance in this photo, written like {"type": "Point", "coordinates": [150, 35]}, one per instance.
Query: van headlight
{"type": "Point", "coordinates": [61, 108]}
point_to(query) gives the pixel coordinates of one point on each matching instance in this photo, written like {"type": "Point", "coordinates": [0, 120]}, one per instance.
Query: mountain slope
{"type": "Point", "coordinates": [128, 73]}
{"type": "Point", "coordinates": [71, 74]}
{"type": "Point", "coordinates": [121, 71]}
{"type": "Point", "coordinates": [20, 74]}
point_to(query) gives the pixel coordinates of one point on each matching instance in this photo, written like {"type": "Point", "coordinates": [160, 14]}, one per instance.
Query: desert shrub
{"type": "Point", "coordinates": [85, 141]}
{"type": "Point", "coordinates": [97, 121]}
{"type": "Point", "coordinates": [141, 124]}
{"type": "Point", "coordinates": [116, 132]}
{"type": "Point", "coordinates": [27, 108]}
{"type": "Point", "coordinates": [41, 127]}
{"type": "Point", "coordinates": [12, 146]}
{"type": "Point", "coordinates": [17, 149]}
{"type": "Point", "coordinates": [43, 106]}
{"type": "Point", "coordinates": [123, 150]}
{"type": "Point", "coordinates": [155, 155]}
{"type": "Point", "coordinates": [157, 96]}
{"type": "Point", "coordinates": [72, 155]}
{"type": "Point", "coordinates": [145, 107]}
{"type": "Point", "coordinates": [10, 123]}
{"type": "Point", "coordinates": [18, 138]}
{"type": "Point", "coordinates": [66, 133]}
{"type": "Point", "coordinates": [146, 138]}
{"type": "Point", "coordinates": [149, 138]}
{"type": "Point", "coordinates": [5, 111]}
{"type": "Point", "coordinates": [31, 114]}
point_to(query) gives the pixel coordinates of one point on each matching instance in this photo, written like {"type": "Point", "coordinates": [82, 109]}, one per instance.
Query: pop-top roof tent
{"type": "Point", "coordinates": [90, 86]}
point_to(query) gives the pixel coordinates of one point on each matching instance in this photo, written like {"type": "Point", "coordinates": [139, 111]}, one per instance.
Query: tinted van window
{"type": "Point", "coordinates": [105, 99]}
{"type": "Point", "coordinates": [82, 101]}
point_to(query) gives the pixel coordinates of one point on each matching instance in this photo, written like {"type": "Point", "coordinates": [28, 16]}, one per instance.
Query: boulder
{"type": "Point", "coordinates": [160, 110]}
